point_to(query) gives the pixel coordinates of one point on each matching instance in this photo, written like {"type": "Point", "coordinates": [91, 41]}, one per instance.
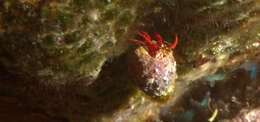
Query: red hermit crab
{"type": "Point", "coordinates": [152, 65]}
{"type": "Point", "coordinates": [152, 47]}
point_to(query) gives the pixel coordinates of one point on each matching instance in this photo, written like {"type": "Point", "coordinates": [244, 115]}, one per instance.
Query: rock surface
{"type": "Point", "coordinates": [78, 48]}
{"type": "Point", "coordinates": [60, 41]}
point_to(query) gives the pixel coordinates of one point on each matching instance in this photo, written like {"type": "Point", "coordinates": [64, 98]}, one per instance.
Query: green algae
{"type": "Point", "coordinates": [72, 37]}
{"type": "Point", "coordinates": [66, 33]}
{"type": "Point", "coordinates": [65, 19]}
{"type": "Point", "coordinates": [85, 48]}
{"type": "Point", "coordinates": [110, 14]}
{"type": "Point", "coordinates": [71, 40]}
{"type": "Point", "coordinates": [49, 41]}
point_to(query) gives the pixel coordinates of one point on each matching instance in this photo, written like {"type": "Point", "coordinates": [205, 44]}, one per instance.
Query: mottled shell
{"type": "Point", "coordinates": [154, 75]}
{"type": "Point", "coordinates": [247, 115]}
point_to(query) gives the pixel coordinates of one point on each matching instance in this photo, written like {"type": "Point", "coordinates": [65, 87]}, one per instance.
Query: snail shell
{"type": "Point", "coordinates": [248, 115]}
{"type": "Point", "coordinates": [155, 75]}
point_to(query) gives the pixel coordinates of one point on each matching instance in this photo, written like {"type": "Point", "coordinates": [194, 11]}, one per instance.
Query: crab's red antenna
{"type": "Point", "coordinates": [175, 43]}
{"type": "Point", "coordinates": [152, 47]}
{"type": "Point", "coordinates": [138, 41]}
{"type": "Point", "coordinates": [145, 36]}
{"type": "Point", "coordinates": [158, 38]}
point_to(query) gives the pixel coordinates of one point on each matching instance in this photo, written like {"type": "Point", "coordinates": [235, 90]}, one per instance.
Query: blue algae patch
{"type": "Point", "coordinates": [206, 99]}
{"type": "Point", "coordinates": [215, 77]}
{"type": "Point", "coordinates": [203, 103]}
{"type": "Point", "coordinates": [252, 67]}
{"type": "Point", "coordinates": [188, 115]}
{"type": "Point", "coordinates": [253, 71]}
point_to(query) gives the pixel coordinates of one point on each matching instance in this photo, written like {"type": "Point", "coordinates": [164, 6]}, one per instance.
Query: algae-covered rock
{"type": "Point", "coordinates": [66, 40]}
{"type": "Point", "coordinates": [59, 41]}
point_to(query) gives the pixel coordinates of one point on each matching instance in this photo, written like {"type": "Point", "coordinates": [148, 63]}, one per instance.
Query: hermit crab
{"type": "Point", "coordinates": [152, 65]}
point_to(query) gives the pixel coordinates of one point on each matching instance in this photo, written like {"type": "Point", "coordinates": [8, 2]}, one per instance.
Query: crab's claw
{"type": "Point", "coordinates": [172, 46]}
{"type": "Point", "coordinates": [138, 41]}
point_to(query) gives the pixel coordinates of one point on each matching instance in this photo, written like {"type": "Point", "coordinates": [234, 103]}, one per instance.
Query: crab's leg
{"type": "Point", "coordinates": [175, 43]}
{"type": "Point", "coordinates": [158, 38]}
{"type": "Point", "coordinates": [146, 37]}
{"type": "Point", "coordinates": [138, 41]}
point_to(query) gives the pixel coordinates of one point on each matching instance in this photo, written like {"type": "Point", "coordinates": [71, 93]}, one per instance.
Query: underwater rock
{"type": "Point", "coordinates": [61, 41]}
{"type": "Point", "coordinates": [67, 40]}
